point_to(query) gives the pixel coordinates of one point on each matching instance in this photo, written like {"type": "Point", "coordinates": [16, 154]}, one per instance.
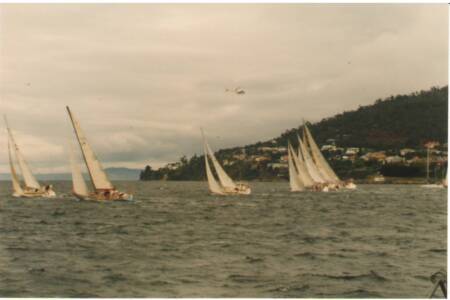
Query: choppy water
{"type": "Point", "coordinates": [177, 241]}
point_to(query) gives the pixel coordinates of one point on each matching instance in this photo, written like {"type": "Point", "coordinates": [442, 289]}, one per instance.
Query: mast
{"type": "Point", "coordinates": [98, 176]}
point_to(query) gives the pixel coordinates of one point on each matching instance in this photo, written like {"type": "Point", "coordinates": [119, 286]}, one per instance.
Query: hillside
{"type": "Point", "coordinates": [388, 125]}
{"type": "Point", "coordinates": [396, 122]}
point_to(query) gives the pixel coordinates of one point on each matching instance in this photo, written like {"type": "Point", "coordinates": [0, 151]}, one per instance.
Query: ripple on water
{"type": "Point", "coordinates": [178, 241]}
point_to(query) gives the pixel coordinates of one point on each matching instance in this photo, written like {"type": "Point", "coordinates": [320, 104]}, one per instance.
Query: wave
{"type": "Point", "coordinates": [358, 293]}
{"type": "Point", "coordinates": [284, 289]}
{"type": "Point", "coordinates": [306, 254]}
{"type": "Point", "coordinates": [243, 278]}
{"type": "Point", "coordinates": [437, 250]}
{"type": "Point", "coordinates": [372, 275]}
{"type": "Point", "coordinates": [253, 259]}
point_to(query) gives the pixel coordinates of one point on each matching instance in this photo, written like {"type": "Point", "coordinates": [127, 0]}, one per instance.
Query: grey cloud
{"type": "Point", "coordinates": [142, 78]}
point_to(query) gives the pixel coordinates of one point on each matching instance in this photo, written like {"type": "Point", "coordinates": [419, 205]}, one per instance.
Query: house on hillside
{"type": "Point", "coordinates": [266, 149]}
{"type": "Point", "coordinates": [394, 159]}
{"type": "Point", "coordinates": [352, 151]}
{"type": "Point", "coordinates": [330, 148]}
{"type": "Point", "coordinates": [277, 166]}
{"type": "Point", "coordinates": [261, 158]}
{"type": "Point", "coordinates": [377, 156]}
{"type": "Point", "coordinates": [284, 159]}
{"type": "Point", "coordinates": [405, 151]}
{"type": "Point", "coordinates": [173, 166]}
{"type": "Point", "coordinates": [239, 156]}
{"type": "Point", "coordinates": [281, 150]}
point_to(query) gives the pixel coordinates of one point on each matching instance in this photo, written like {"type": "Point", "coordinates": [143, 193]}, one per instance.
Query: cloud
{"type": "Point", "coordinates": [142, 78]}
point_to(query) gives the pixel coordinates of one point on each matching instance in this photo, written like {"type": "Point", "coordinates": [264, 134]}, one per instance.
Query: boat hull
{"type": "Point", "coordinates": [35, 194]}
{"type": "Point", "coordinates": [101, 197]}
{"type": "Point", "coordinates": [241, 189]}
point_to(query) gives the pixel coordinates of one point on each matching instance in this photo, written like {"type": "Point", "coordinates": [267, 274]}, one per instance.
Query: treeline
{"type": "Point", "coordinates": [392, 123]}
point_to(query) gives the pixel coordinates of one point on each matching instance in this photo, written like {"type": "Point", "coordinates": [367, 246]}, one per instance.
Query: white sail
{"type": "Point", "coordinates": [78, 184]}
{"type": "Point", "coordinates": [28, 177]}
{"type": "Point", "coordinates": [214, 186]}
{"type": "Point", "coordinates": [320, 161]}
{"type": "Point", "coordinates": [224, 179]}
{"type": "Point", "coordinates": [98, 176]}
{"type": "Point", "coordinates": [309, 163]}
{"type": "Point", "coordinates": [294, 180]}
{"type": "Point", "coordinates": [301, 168]}
{"type": "Point", "coordinates": [14, 178]}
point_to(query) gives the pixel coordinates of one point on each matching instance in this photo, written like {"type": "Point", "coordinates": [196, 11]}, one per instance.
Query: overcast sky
{"type": "Point", "coordinates": [142, 78]}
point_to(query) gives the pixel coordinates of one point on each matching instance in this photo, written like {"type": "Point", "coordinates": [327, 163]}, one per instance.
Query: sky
{"type": "Point", "coordinates": [143, 78]}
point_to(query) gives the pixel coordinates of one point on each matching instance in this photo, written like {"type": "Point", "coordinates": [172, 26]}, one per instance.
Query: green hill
{"type": "Point", "coordinates": [396, 122]}
{"type": "Point", "coordinates": [389, 124]}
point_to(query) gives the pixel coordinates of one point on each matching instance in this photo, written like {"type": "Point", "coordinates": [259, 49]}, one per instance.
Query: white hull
{"type": "Point", "coordinates": [241, 189]}
{"type": "Point", "coordinates": [100, 198]}
{"type": "Point", "coordinates": [50, 194]}
{"type": "Point", "coordinates": [350, 186]}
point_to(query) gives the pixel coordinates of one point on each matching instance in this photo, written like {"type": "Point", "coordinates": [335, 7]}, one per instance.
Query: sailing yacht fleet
{"type": "Point", "coordinates": [308, 171]}
{"type": "Point", "coordinates": [308, 168]}
{"type": "Point", "coordinates": [102, 188]}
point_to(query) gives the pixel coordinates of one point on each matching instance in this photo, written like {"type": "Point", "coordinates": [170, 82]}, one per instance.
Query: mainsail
{"type": "Point", "coordinates": [14, 178]}
{"type": "Point", "coordinates": [224, 179]}
{"type": "Point", "coordinates": [301, 168]}
{"type": "Point", "coordinates": [98, 176]}
{"type": "Point", "coordinates": [78, 184]}
{"type": "Point", "coordinates": [321, 162]}
{"type": "Point", "coordinates": [214, 186]}
{"type": "Point", "coordinates": [294, 180]}
{"type": "Point", "coordinates": [310, 166]}
{"type": "Point", "coordinates": [28, 177]}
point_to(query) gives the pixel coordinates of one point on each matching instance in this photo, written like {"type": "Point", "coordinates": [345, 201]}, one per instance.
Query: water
{"type": "Point", "coordinates": [177, 241]}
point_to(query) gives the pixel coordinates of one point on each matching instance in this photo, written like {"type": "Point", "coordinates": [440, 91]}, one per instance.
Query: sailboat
{"type": "Point", "coordinates": [324, 169]}
{"type": "Point", "coordinates": [443, 183]}
{"type": "Point", "coordinates": [103, 189]}
{"type": "Point", "coordinates": [302, 169]}
{"type": "Point", "coordinates": [224, 185]}
{"type": "Point", "coordinates": [31, 188]}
